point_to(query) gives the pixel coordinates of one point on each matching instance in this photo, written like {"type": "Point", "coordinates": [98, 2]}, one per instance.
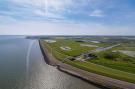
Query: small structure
{"type": "Point", "coordinates": [79, 58]}
{"type": "Point", "coordinates": [85, 56]}
{"type": "Point", "coordinates": [65, 48]}
{"type": "Point", "coordinates": [89, 56]}
{"type": "Point", "coordinates": [50, 41]}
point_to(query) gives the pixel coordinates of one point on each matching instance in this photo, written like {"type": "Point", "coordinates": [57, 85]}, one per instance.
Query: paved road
{"type": "Point", "coordinates": [105, 48]}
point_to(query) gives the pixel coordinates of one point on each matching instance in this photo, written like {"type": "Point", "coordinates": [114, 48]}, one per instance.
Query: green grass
{"type": "Point", "coordinates": [55, 53]}
{"type": "Point", "coordinates": [114, 69]}
{"type": "Point", "coordinates": [104, 71]}
{"type": "Point", "coordinates": [76, 49]}
{"type": "Point", "coordinates": [120, 64]}
{"type": "Point", "coordinates": [126, 46]}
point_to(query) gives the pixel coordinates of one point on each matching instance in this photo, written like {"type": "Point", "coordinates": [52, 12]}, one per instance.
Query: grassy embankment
{"type": "Point", "coordinates": [116, 69]}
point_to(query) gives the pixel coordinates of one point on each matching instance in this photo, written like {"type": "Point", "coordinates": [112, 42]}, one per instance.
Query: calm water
{"type": "Point", "coordinates": [22, 67]}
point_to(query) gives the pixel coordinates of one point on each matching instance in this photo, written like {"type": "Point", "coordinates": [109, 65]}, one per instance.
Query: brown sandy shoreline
{"type": "Point", "coordinates": [84, 75]}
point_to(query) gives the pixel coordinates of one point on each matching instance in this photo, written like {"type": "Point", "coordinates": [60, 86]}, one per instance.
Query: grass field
{"type": "Point", "coordinates": [106, 71]}
{"type": "Point", "coordinates": [76, 49]}
{"type": "Point", "coordinates": [130, 46]}
{"type": "Point", "coordinates": [123, 63]}
{"type": "Point", "coordinates": [120, 69]}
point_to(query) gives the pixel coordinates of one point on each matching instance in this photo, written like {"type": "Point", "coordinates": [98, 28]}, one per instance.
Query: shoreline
{"type": "Point", "coordinates": [95, 79]}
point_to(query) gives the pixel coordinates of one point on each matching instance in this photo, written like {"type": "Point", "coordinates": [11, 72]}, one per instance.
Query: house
{"type": "Point", "coordinates": [88, 56]}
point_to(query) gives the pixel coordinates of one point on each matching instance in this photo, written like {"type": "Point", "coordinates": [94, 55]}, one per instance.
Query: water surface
{"type": "Point", "coordinates": [22, 67]}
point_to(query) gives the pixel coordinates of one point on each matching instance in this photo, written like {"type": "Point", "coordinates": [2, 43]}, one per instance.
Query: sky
{"type": "Point", "coordinates": [67, 17]}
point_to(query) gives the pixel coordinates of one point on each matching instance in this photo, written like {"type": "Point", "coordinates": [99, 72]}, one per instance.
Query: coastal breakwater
{"type": "Point", "coordinates": [99, 80]}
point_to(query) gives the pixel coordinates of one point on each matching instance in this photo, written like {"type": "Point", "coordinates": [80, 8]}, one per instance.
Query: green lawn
{"type": "Point", "coordinates": [116, 65]}
{"type": "Point", "coordinates": [106, 71]}
{"type": "Point", "coordinates": [120, 64]}
{"type": "Point", "coordinates": [116, 69]}
{"type": "Point", "coordinates": [76, 49]}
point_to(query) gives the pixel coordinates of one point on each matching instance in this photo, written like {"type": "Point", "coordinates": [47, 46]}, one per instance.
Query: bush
{"type": "Point", "coordinates": [128, 59]}
{"type": "Point", "coordinates": [112, 55]}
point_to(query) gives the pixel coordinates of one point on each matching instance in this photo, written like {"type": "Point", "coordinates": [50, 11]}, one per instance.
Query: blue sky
{"type": "Point", "coordinates": [67, 17]}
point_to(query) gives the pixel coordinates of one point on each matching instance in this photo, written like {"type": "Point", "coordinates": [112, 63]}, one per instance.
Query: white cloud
{"type": "Point", "coordinates": [97, 13]}
{"type": "Point", "coordinates": [51, 8]}
{"type": "Point", "coordinates": [6, 20]}
{"type": "Point", "coordinates": [52, 12]}
{"type": "Point", "coordinates": [39, 12]}
{"type": "Point", "coordinates": [52, 28]}
{"type": "Point", "coordinates": [46, 7]}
